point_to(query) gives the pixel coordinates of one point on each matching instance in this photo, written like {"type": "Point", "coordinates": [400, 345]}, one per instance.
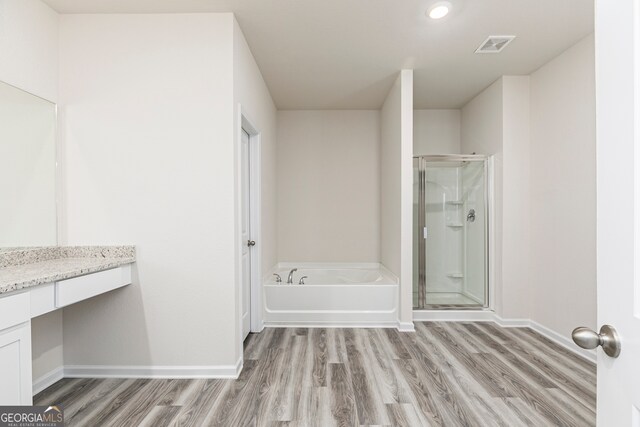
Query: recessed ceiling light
{"type": "Point", "coordinates": [439, 10]}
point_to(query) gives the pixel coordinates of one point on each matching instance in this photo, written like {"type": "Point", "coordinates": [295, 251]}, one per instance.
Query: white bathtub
{"type": "Point", "coordinates": [336, 295]}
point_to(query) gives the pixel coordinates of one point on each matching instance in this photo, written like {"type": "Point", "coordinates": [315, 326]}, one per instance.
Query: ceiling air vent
{"type": "Point", "coordinates": [494, 44]}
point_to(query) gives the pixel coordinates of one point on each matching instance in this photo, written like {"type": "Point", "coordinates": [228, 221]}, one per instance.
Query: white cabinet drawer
{"type": "Point", "coordinates": [42, 299]}
{"type": "Point", "coordinates": [79, 288]}
{"type": "Point", "coordinates": [14, 310]}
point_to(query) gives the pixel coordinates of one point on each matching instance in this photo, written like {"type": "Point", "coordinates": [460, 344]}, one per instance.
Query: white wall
{"type": "Point", "coordinates": [496, 122]}
{"type": "Point", "coordinates": [29, 52]}
{"type": "Point", "coordinates": [516, 199]}
{"type": "Point", "coordinates": [29, 47]}
{"type": "Point", "coordinates": [563, 190]}
{"type": "Point", "coordinates": [252, 94]}
{"type": "Point", "coordinates": [482, 133]}
{"type": "Point", "coordinates": [148, 101]}
{"type": "Point", "coordinates": [436, 131]}
{"type": "Point", "coordinates": [390, 140]}
{"type": "Point", "coordinates": [46, 344]}
{"type": "Point", "coordinates": [542, 130]}
{"type": "Point", "coordinates": [396, 184]}
{"type": "Point", "coordinates": [481, 122]}
{"type": "Point", "coordinates": [329, 186]}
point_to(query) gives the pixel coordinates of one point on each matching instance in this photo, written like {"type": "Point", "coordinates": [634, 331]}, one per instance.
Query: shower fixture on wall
{"type": "Point", "coordinates": [471, 216]}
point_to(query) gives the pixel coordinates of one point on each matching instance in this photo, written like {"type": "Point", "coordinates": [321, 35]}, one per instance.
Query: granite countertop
{"type": "Point", "coordinates": [26, 267]}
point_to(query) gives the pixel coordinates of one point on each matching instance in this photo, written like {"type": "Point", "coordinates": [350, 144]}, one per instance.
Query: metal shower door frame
{"type": "Point", "coordinates": [422, 244]}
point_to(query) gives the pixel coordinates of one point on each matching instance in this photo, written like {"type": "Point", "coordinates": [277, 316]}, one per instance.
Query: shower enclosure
{"type": "Point", "coordinates": [450, 244]}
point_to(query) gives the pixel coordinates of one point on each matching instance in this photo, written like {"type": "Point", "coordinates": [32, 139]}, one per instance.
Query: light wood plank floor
{"type": "Point", "coordinates": [449, 374]}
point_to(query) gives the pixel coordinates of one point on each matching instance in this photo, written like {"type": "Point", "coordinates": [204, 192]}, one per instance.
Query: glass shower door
{"type": "Point", "coordinates": [450, 232]}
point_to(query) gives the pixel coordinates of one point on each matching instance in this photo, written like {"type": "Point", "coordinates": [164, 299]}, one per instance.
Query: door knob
{"type": "Point", "coordinates": [607, 338]}
{"type": "Point", "coordinates": [251, 243]}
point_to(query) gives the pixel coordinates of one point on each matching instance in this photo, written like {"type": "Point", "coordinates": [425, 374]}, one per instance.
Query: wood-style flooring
{"type": "Point", "coordinates": [445, 374]}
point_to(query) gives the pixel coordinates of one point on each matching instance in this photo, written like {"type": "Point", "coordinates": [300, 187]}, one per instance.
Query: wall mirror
{"type": "Point", "coordinates": [27, 169]}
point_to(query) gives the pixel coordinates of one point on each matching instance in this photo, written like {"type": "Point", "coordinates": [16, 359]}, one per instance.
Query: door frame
{"type": "Point", "coordinates": [255, 200]}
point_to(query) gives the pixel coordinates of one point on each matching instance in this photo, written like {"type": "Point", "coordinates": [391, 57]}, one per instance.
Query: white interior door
{"type": "Point", "coordinates": [247, 243]}
{"type": "Point", "coordinates": [618, 163]}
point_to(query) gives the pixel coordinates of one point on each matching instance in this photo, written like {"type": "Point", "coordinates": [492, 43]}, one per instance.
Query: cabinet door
{"type": "Point", "coordinates": [15, 365]}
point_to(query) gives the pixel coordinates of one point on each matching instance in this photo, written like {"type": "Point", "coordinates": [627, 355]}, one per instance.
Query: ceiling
{"type": "Point", "coordinates": [345, 54]}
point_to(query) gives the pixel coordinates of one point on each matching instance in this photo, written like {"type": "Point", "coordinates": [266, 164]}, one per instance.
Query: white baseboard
{"type": "Point", "coordinates": [401, 326]}
{"type": "Point", "coordinates": [566, 342]}
{"type": "Point", "coordinates": [104, 371]}
{"type": "Point", "coordinates": [490, 316]}
{"type": "Point", "coordinates": [261, 328]}
{"type": "Point", "coordinates": [48, 379]}
{"type": "Point", "coordinates": [406, 326]}
{"type": "Point", "coordinates": [454, 315]}
{"type": "Point", "coordinates": [328, 324]}
{"type": "Point", "coordinates": [512, 323]}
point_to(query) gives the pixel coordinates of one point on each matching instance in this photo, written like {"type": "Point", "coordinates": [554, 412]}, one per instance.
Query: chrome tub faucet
{"type": "Point", "coordinates": [290, 278]}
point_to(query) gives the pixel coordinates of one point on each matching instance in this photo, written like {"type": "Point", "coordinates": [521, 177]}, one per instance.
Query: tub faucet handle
{"type": "Point", "coordinates": [278, 278]}
{"type": "Point", "coordinates": [301, 282]}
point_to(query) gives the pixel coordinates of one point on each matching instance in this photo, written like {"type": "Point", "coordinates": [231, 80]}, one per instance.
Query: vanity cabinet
{"type": "Point", "coordinates": [15, 350]}
{"type": "Point", "coordinates": [17, 310]}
